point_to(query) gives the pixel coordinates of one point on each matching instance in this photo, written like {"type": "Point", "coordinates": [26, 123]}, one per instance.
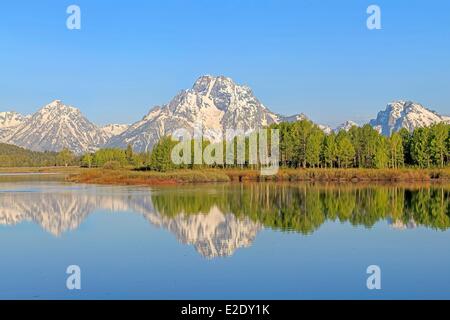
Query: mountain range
{"type": "Point", "coordinates": [215, 103]}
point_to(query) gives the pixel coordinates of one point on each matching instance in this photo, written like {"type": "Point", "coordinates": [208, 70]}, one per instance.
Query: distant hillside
{"type": "Point", "coordinates": [12, 156]}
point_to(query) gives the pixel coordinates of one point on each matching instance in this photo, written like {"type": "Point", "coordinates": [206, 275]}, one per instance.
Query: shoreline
{"type": "Point", "coordinates": [21, 174]}
{"type": "Point", "coordinates": [200, 176]}
{"type": "Point", "coordinates": [197, 176]}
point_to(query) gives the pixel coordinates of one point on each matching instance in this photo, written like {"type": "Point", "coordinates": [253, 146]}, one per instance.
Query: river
{"type": "Point", "coordinates": [223, 241]}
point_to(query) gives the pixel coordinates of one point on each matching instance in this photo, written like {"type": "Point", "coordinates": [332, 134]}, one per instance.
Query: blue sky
{"type": "Point", "coordinates": [309, 56]}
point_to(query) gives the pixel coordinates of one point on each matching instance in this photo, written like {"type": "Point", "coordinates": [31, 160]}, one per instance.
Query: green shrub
{"type": "Point", "coordinates": [112, 165]}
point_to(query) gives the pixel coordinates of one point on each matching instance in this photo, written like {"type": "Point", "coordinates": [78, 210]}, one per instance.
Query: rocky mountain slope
{"type": "Point", "coordinates": [8, 121]}
{"type": "Point", "coordinates": [346, 126]}
{"type": "Point", "coordinates": [112, 130]}
{"type": "Point", "coordinates": [405, 114]}
{"type": "Point", "coordinates": [11, 119]}
{"type": "Point", "coordinates": [57, 126]}
{"type": "Point", "coordinates": [213, 103]}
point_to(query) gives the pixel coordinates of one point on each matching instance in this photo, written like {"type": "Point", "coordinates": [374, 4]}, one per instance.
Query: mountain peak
{"type": "Point", "coordinates": [57, 126]}
{"type": "Point", "coordinates": [58, 106]}
{"type": "Point", "coordinates": [346, 126]}
{"type": "Point", "coordinates": [215, 102]}
{"type": "Point", "coordinates": [214, 86]}
{"type": "Point", "coordinates": [406, 105]}
{"type": "Point", "coordinates": [404, 114]}
{"type": "Point", "coordinates": [209, 79]}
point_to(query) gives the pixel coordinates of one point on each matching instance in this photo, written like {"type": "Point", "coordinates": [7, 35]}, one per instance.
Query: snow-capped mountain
{"type": "Point", "coordinates": [346, 126]}
{"type": "Point", "coordinates": [326, 129]}
{"type": "Point", "coordinates": [405, 114]}
{"type": "Point", "coordinates": [114, 129]}
{"type": "Point", "coordinates": [55, 127]}
{"type": "Point", "coordinates": [299, 117]}
{"type": "Point", "coordinates": [11, 119]}
{"type": "Point", "coordinates": [294, 118]}
{"type": "Point", "coordinates": [214, 103]}
{"type": "Point", "coordinates": [8, 121]}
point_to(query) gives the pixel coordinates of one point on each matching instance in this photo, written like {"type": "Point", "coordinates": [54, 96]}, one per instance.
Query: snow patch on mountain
{"type": "Point", "coordinates": [216, 104]}
{"type": "Point", "coordinates": [294, 118]}
{"type": "Point", "coordinates": [405, 114]}
{"type": "Point", "coordinates": [446, 119]}
{"type": "Point", "coordinates": [326, 129]}
{"type": "Point", "coordinates": [11, 119]}
{"type": "Point", "coordinates": [8, 121]}
{"type": "Point", "coordinates": [112, 130]}
{"type": "Point", "coordinates": [346, 126]}
{"type": "Point", "coordinates": [57, 126]}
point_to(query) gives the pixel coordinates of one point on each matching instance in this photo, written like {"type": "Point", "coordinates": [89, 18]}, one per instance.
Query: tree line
{"type": "Point", "coordinates": [304, 145]}
{"type": "Point", "coordinates": [13, 156]}
{"type": "Point", "coordinates": [114, 158]}
{"type": "Point", "coordinates": [304, 208]}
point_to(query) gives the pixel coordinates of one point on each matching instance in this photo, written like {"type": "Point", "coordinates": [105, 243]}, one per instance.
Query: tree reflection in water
{"type": "Point", "coordinates": [218, 219]}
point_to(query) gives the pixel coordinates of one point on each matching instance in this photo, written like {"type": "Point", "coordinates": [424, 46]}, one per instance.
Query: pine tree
{"type": "Point", "coordinates": [438, 143]}
{"type": "Point", "coordinates": [406, 143]}
{"type": "Point", "coordinates": [369, 138]}
{"type": "Point", "coordinates": [160, 159]}
{"type": "Point", "coordinates": [345, 150]}
{"type": "Point", "coordinates": [301, 131]}
{"type": "Point", "coordinates": [65, 157]}
{"type": "Point", "coordinates": [329, 150]}
{"type": "Point", "coordinates": [396, 151]}
{"type": "Point", "coordinates": [357, 139]}
{"type": "Point", "coordinates": [420, 151]}
{"type": "Point", "coordinates": [129, 154]}
{"type": "Point", "coordinates": [314, 146]}
{"type": "Point", "coordinates": [381, 158]}
{"type": "Point", "coordinates": [87, 160]}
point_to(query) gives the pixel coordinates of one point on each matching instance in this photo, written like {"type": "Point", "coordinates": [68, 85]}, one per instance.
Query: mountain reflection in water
{"type": "Point", "coordinates": [218, 219]}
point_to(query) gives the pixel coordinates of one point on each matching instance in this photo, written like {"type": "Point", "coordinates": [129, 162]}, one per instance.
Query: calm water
{"type": "Point", "coordinates": [219, 241]}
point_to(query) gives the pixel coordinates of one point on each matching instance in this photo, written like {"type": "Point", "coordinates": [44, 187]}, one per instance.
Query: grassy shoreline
{"type": "Point", "coordinates": [130, 177]}
{"type": "Point", "coordinates": [133, 177]}
{"type": "Point", "coordinates": [26, 170]}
